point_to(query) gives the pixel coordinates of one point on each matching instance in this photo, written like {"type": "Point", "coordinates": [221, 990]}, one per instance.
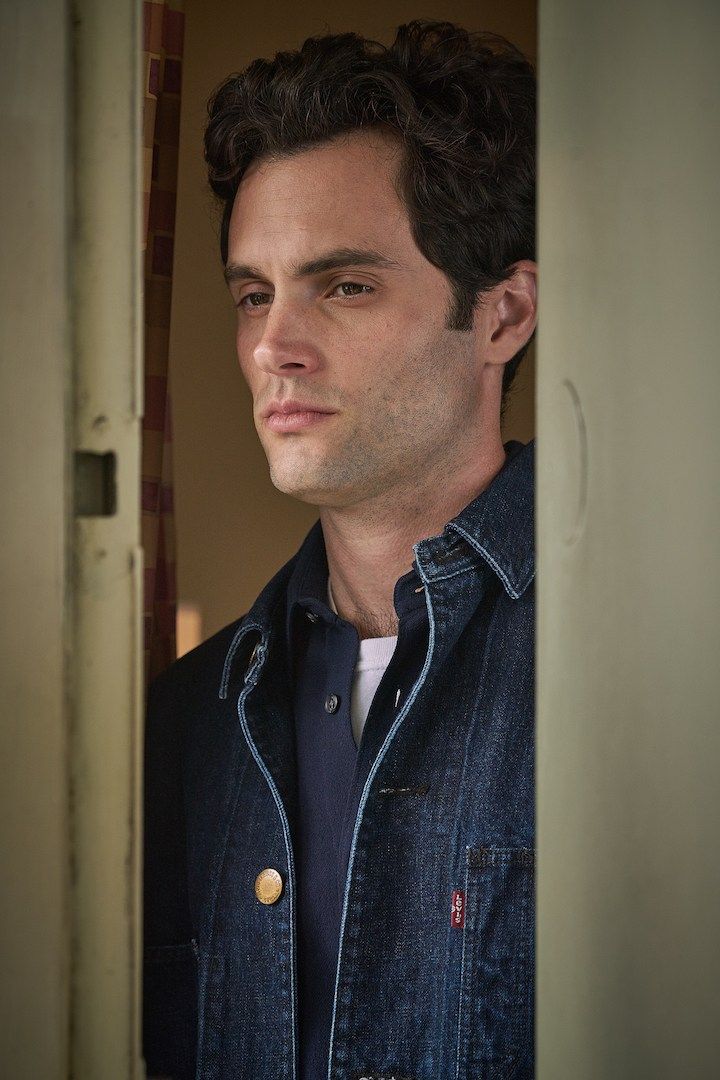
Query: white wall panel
{"type": "Point", "coordinates": [70, 586]}
{"type": "Point", "coordinates": [628, 533]}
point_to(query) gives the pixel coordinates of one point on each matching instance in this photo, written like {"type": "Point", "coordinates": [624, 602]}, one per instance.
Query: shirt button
{"type": "Point", "coordinates": [312, 616]}
{"type": "Point", "coordinates": [332, 701]}
{"type": "Point", "coordinates": [268, 886]}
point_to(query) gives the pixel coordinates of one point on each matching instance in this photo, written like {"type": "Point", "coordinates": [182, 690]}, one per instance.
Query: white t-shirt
{"type": "Point", "coordinates": [374, 656]}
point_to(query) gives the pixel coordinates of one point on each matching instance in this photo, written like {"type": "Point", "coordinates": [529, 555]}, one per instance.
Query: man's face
{"type": "Point", "coordinates": [338, 310]}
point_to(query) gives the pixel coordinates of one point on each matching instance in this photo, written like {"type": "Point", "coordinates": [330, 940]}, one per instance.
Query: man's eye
{"type": "Point", "coordinates": [353, 288]}
{"type": "Point", "coordinates": [254, 299]}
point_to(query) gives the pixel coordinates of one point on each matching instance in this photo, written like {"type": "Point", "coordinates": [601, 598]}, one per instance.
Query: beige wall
{"type": "Point", "coordinates": [35, 935]}
{"type": "Point", "coordinates": [70, 575]}
{"type": "Point", "coordinates": [628, 519]}
{"type": "Point", "coordinates": [233, 528]}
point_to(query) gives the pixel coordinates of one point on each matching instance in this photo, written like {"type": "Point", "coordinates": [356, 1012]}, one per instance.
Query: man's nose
{"type": "Point", "coordinates": [285, 347]}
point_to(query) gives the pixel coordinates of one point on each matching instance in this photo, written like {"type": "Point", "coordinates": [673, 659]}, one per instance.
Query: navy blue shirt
{"type": "Point", "coordinates": [332, 770]}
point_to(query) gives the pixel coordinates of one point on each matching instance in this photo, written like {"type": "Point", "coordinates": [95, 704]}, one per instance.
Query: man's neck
{"type": "Point", "coordinates": [370, 545]}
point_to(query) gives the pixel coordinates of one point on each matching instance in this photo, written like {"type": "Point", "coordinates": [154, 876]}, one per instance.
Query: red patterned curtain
{"type": "Point", "coordinates": [162, 43]}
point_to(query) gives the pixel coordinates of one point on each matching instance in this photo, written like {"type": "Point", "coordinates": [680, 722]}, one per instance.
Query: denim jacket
{"type": "Point", "coordinates": [435, 976]}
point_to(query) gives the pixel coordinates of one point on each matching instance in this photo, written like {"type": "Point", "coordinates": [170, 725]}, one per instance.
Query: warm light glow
{"type": "Point", "coordinates": [188, 627]}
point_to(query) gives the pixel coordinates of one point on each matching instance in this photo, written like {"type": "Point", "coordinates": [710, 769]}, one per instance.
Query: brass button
{"type": "Point", "coordinates": [268, 886]}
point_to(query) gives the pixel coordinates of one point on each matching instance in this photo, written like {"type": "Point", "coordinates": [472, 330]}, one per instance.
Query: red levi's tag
{"type": "Point", "coordinates": [457, 911]}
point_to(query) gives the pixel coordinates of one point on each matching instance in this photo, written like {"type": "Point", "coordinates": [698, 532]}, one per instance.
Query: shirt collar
{"type": "Point", "coordinates": [308, 585]}
{"type": "Point", "coordinates": [309, 578]}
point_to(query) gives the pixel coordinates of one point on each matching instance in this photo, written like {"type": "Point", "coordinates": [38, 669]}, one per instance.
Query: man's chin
{"type": "Point", "coordinates": [298, 484]}
{"type": "Point", "coordinates": [308, 488]}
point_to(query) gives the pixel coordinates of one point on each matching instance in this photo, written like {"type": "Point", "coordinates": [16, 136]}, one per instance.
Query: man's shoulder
{"type": "Point", "coordinates": [197, 672]}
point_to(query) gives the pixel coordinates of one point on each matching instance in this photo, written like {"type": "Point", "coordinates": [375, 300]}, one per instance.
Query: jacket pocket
{"type": "Point", "coordinates": [170, 1010]}
{"type": "Point", "coordinates": [495, 1022]}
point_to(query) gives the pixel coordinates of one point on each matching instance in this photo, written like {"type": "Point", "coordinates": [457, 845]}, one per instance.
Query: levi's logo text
{"type": "Point", "coordinates": [381, 1076]}
{"type": "Point", "coordinates": [457, 909]}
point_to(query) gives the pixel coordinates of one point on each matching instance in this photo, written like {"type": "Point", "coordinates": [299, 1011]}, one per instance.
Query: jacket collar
{"type": "Point", "coordinates": [498, 527]}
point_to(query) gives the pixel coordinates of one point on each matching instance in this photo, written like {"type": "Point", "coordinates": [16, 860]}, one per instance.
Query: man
{"type": "Point", "coordinates": [339, 785]}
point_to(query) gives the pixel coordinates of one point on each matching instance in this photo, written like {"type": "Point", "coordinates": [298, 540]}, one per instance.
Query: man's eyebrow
{"type": "Point", "coordinates": [331, 260]}
{"type": "Point", "coordinates": [334, 260]}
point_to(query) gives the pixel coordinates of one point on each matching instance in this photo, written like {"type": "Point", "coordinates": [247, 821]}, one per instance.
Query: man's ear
{"type": "Point", "coordinates": [511, 310]}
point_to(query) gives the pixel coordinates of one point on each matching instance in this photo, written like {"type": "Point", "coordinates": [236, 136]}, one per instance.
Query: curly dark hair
{"type": "Point", "coordinates": [464, 106]}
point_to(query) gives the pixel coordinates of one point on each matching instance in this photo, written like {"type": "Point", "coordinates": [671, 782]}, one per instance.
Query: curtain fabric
{"type": "Point", "coordinates": [163, 27]}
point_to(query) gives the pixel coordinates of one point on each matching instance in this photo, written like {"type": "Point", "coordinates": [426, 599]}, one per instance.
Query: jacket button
{"type": "Point", "coordinates": [332, 701]}
{"type": "Point", "coordinates": [268, 886]}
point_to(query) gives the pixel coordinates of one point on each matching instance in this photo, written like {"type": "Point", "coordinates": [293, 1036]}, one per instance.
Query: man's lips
{"type": "Point", "coordinates": [293, 415]}
{"type": "Point", "coordinates": [291, 405]}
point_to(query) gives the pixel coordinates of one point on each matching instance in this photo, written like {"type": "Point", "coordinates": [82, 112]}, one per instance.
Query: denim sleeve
{"type": "Point", "coordinates": [170, 947]}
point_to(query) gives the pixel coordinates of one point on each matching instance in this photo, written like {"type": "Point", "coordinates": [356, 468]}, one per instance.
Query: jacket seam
{"type": "Point", "coordinates": [288, 851]}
